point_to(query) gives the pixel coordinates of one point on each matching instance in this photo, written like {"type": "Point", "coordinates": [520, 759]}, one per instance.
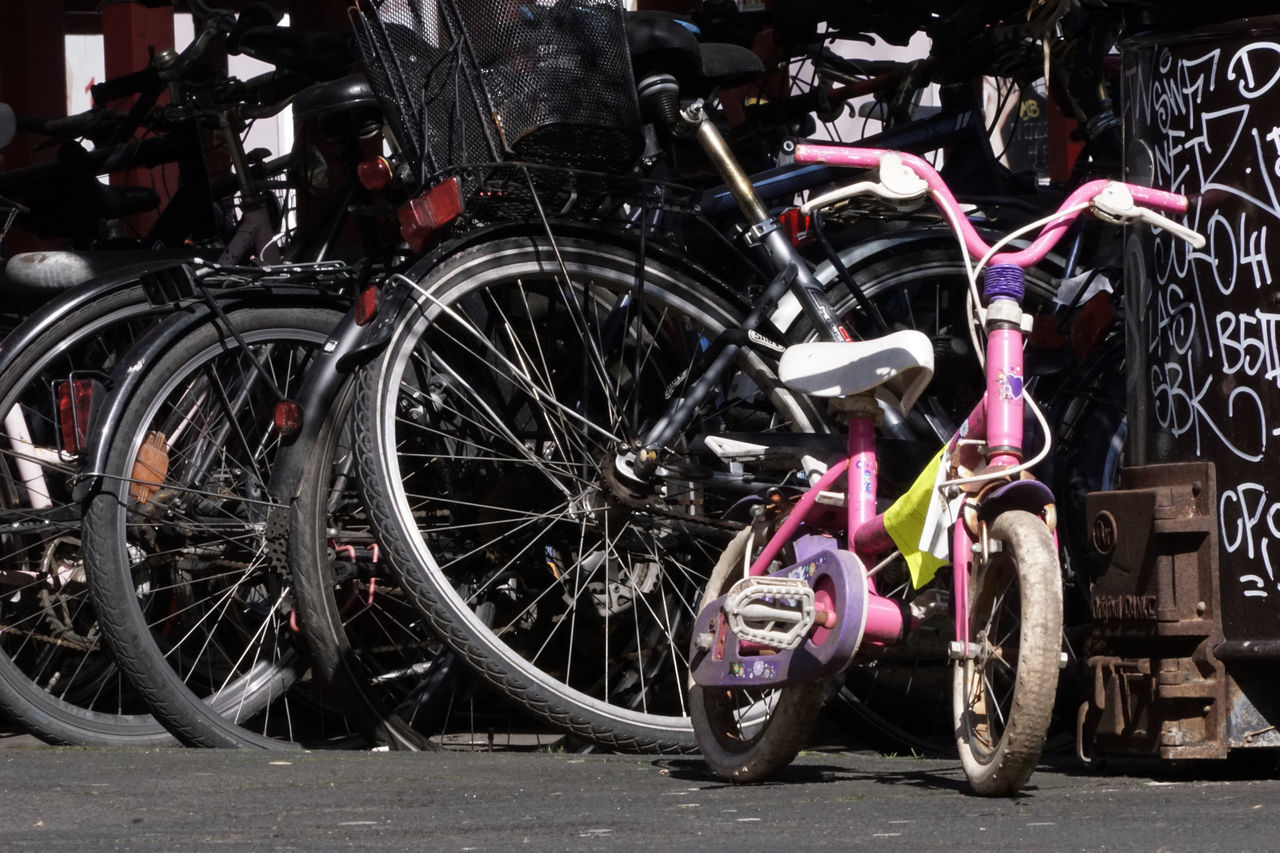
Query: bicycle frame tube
{"type": "Point", "coordinates": [884, 618]}
{"type": "Point", "coordinates": [796, 518]}
{"type": "Point", "coordinates": [788, 266]}
{"type": "Point", "coordinates": [991, 434]}
{"type": "Point", "coordinates": [861, 496]}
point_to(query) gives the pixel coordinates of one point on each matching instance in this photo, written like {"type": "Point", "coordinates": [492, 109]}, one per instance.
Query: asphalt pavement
{"type": "Point", "coordinates": [181, 799]}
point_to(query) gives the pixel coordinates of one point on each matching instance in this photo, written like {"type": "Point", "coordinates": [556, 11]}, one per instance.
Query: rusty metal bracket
{"type": "Point", "coordinates": [1158, 687]}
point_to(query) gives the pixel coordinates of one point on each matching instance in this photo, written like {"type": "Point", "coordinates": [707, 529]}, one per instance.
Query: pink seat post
{"type": "Point", "coordinates": [884, 617]}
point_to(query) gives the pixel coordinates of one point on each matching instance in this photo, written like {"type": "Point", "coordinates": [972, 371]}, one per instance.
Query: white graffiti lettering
{"type": "Point", "coordinates": [1249, 520]}
{"type": "Point", "coordinates": [1211, 317]}
{"type": "Point", "coordinates": [1248, 62]}
{"type": "Point", "coordinates": [1248, 343]}
{"type": "Point", "coordinates": [1179, 402]}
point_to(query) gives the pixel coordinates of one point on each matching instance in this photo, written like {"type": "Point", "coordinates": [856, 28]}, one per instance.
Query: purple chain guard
{"type": "Point", "coordinates": [724, 665]}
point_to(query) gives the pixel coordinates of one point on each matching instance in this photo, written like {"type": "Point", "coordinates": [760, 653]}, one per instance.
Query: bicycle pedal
{"type": "Point", "coordinates": [802, 622]}
{"type": "Point", "coordinates": [774, 612]}
{"type": "Point", "coordinates": [931, 605]}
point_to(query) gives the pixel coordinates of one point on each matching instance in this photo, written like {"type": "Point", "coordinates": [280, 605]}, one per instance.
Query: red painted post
{"type": "Point", "coordinates": [130, 34]}
{"type": "Point", "coordinates": [32, 80]}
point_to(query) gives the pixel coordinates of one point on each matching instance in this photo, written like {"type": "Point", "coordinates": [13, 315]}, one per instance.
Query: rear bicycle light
{"type": "Point", "coordinates": [375, 174]}
{"type": "Point", "coordinates": [796, 226]}
{"type": "Point", "coordinates": [366, 307]}
{"type": "Point", "coordinates": [74, 397]}
{"type": "Point", "coordinates": [287, 417]}
{"type": "Point", "coordinates": [436, 208]}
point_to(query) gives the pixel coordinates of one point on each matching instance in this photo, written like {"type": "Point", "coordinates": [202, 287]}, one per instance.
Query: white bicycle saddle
{"type": "Point", "coordinates": [901, 361]}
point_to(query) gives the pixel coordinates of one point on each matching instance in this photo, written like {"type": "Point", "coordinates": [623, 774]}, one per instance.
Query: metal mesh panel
{"type": "Point", "coordinates": [483, 81]}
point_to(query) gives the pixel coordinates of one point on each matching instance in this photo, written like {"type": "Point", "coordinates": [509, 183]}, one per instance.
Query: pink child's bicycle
{"type": "Point", "coordinates": [793, 599]}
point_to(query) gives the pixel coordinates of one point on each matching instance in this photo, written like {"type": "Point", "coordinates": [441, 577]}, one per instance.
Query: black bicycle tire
{"type": "Point", "coordinates": [53, 719]}
{"type": "Point", "coordinates": [191, 718]}
{"type": "Point", "coordinates": [335, 660]}
{"type": "Point", "coordinates": [546, 698]}
{"type": "Point", "coordinates": [881, 273]}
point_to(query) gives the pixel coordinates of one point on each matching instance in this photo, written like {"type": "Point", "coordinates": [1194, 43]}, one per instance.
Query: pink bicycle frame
{"type": "Point", "coordinates": [997, 418]}
{"type": "Point", "coordinates": [996, 421]}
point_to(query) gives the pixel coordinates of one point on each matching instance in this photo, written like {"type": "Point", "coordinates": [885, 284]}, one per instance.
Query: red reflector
{"type": "Point", "coordinates": [74, 398]}
{"type": "Point", "coordinates": [367, 305]}
{"type": "Point", "coordinates": [287, 416]}
{"type": "Point", "coordinates": [375, 174]}
{"type": "Point", "coordinates": [420, 218]}
{"type": "Point", "coordinates": [795, 226]}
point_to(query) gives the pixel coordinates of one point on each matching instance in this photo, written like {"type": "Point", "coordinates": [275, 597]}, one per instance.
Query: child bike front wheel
{"type": "Point", "coordinates": [1003, 696]}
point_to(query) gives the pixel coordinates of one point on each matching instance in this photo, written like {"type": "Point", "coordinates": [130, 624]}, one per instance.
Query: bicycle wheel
{"type": "Point", "coordinates": [1002, 699]}
{"type": "Point", "coordinates": [737, 741]}
{"type": "Point", "coordinates": [1090, 428]}
{"type": "Point", "coordinates": [56, 677]}
{"type": "Point", "coordinates": [921, 284]}
{"type": "Point", "coordinates": [487, 437]}
{"type": "Point", "coordinates": [174, 541]}
{"type": "Point", "coordinates": [368, 642]}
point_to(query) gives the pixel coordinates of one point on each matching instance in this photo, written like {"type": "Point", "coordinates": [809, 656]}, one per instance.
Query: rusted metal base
{"type": "Point", "coordinates": [1158, 687]}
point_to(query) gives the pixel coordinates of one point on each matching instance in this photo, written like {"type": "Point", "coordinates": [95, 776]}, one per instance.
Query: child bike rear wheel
{"type": "Point", "coordinates": [1002, 698]}
{"type": "Point", "coordinates": [755, 751]}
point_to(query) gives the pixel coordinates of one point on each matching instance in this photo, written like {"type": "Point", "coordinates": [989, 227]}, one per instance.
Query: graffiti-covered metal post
{"type": "Point", "coordinates": [1187, 606]}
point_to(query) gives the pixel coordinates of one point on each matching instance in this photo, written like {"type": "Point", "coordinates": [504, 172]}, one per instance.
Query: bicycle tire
{"type": "Point", "coordinates": [176, 559]}
{"type": "Point", "coordinates": [367, 642]}
{"type": "Point", "coordinates": [757, 752]}
{"type": "Point", "coordinates": [1090, 427]}
{"type": "Point", "coordinates": [370, 648]}
{"type": "Point", "coordinates": [999, 747]}
{"type": "Point", "coordinates": [920, 284]}
{"type": "Point", "coordinates": [635, 700]}
{"type": "Point", "coordinates": [56, 678]}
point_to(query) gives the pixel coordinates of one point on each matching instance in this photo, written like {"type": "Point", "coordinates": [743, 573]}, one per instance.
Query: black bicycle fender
{"type": "Point", "coordinates": [122, 384]}
{"type": "Point", "coordinates": [64, 303]}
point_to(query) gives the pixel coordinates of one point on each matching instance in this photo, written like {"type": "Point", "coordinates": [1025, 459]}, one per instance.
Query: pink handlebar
{"type": "Point", "coordinates": [1158, 198]}
{"type": "Point", "coordinates": [1076, 203]}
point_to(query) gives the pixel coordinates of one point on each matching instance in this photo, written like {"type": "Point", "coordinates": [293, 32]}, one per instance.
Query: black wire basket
{"type": "Point", "coordinates": [469, 83]}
